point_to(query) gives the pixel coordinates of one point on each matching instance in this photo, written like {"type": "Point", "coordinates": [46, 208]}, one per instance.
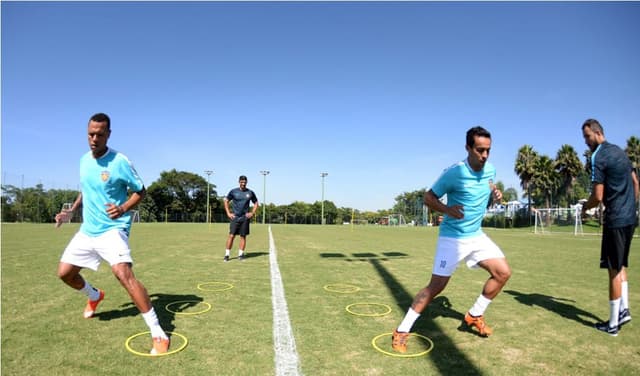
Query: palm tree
{"type": "Point", "coordinates": [525, 168]}
{"type": "Point", "coordinates": [545, 179]}
{"type": "Point", "coordinates": [568, 167]}
{"type": "Point", "coordinates": [633, 152]}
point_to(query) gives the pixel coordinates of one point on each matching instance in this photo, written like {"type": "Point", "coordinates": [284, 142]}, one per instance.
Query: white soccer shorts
{"type": "Point", "coordinates": [450, 251]}
{"type": "Point", "coordinates": [88, 251]}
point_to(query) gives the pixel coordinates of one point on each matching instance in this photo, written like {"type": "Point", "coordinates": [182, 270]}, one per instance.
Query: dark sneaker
{"type": "Point", "coordinates": [478, 322]}
{"type": "Point", "coordinates": [399, 341]}
{"type": "Point", "coordinates": [226, 258]}
{"type": "Point", "coordinates": [624, 317]}
{"type": "Point", "coordinates": [604, 327]}
{"type": "Point", "coordinates": [241, 257]}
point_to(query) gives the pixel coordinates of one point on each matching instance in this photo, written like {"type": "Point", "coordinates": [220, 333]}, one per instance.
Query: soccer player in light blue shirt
{"type": "Point", "coordinates": [106, 176]}
{"type": "Point", "coordinates": [469, 187]}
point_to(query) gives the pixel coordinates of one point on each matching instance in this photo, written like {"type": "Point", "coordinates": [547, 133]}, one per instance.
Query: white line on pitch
{"type": "Point", "coordinates": [287, 361]}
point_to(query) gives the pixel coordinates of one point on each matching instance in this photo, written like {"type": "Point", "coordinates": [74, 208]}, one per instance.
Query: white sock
{"type": "Point", "coordinates": [227, 252]}
{"type": "Point", "coordinates": [407, 322]}
{"type": "Point", "coordinates": [91, 292]}
{"type": "Point", "coordinates": [151, 319]}
{"type": "Point", "coordinates": [241, 252]}
{"type": "Point", "coordinates": [479, 306]}
{"type": "Point", "coordinates": [614, 312]}
{"type": "Point", "coordinates": [624, 302]}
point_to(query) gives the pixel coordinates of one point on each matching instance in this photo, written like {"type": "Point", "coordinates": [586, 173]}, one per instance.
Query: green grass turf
{"type": "Point", "coordinates": [542, 321]}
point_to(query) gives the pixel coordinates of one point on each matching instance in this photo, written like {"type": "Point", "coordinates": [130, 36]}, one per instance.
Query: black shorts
{"type": "Point", "coordinates": [614, 253]}
{"type": "Point", "coordinates": [239, 226]}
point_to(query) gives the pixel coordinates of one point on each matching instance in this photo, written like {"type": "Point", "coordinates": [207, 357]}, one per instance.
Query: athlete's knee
{"type": "Point", "coordinates": [502, 274]}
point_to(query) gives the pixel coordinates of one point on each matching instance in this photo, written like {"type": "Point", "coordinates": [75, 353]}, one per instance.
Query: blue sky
{"type": "Point", "coordinates": [378, 95]}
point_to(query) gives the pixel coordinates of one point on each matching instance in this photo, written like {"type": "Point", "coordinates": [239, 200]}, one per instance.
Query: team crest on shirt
{"type": "Point", "coordinates": [104, 175]}
{"type": "Point", "coordinates": [248, 195]}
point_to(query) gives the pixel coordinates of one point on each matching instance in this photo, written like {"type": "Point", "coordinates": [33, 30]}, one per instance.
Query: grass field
{"type": "Point", "coordinates": [542, 321]}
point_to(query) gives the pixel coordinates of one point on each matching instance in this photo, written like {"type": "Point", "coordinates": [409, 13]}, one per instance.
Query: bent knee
{"type": "Point", "coordinates": [503, 274]}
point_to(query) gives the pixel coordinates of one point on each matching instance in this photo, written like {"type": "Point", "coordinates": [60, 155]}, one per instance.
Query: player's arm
{"type": "Point", "coordinates": [434, 203]}
{"type": "Point", "coordinates": [116, 211]}
{"type": "Point", "coordinates": [636, 185]}
{"type": "Point", "coordinates": [226, 208]}
{"type": "Point", "coordinates": [253, 210]}
{"type": "Point", "coordinates": [597, 194]}
{"type": "Point", "coordinates": [66, 214]}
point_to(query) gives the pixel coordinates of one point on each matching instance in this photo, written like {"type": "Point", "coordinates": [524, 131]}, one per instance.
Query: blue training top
{"type": "Point", "coordinates": [106, 180]}
{"type": "Point", "coordinates": [611, 166]}
{"type": "Point", "coordinates": [468, 188]}
{"type": "Point", "coordinates": [240, 200]}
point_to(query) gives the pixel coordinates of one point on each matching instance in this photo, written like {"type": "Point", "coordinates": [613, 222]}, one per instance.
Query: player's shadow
{"type": "Point", "coordinates": [249, 255]}
{"type": "Point", "coordinates": [159, 302]}
{"type": "Point", "coordinates": [446, 356]}
{"type": "Point", "coordinates": [556, 305]}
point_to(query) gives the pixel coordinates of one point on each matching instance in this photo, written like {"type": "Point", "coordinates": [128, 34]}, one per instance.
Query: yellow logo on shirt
{"type": "Point", "coordinates": [104, 175]}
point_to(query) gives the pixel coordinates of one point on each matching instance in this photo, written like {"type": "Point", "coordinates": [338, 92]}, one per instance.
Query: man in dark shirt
{"type": "Point", "coordinates": [615, 184]}
{"type": "Point", "coordinates": [241, 199]}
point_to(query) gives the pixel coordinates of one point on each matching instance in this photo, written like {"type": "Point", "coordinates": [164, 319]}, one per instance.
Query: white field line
{"type": "Point", "coordinates": [287, 360]}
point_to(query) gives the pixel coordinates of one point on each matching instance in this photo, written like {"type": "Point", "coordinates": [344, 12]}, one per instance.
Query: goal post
{"type": "Point", "coordinates": [558, 220]}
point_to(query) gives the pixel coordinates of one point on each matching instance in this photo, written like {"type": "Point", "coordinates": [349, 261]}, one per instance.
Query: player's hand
{"type": "Point", "coordinates": [249, 215]}
{"type": "Point", "coordinates": [64, 216]}
{"type": "Point", "coordinates": [231, 216]}
{"type": "Point", "coordinates": [456, 211]}
{"type": "Point", "coordinates": [114, 211]}
{"type": "Point", "coordinates": [497, 194]}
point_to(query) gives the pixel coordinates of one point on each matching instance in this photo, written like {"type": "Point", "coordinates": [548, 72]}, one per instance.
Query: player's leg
{"type": "Point", "coordinates": [490, 258]}
{"type": "Point", "coordinates": [444, 264]}
{"type": "Point", "coordinates": [79, 254]}
{"type": "Point", "coordinates": [244, 231]}
{"type": "Point", "coordinates": [140, 297]}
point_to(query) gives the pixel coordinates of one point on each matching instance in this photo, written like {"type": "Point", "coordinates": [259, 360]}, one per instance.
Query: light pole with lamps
{"type": "Point", "coordinates": [322, 174]}
{"type": "Point", "coordinates": [208, 172]}
{"type": "Point", "coordinates": [264, 193]}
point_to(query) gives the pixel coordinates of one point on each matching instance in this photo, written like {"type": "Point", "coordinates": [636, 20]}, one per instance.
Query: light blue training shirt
{"type": "Point", "coordinates": [106, 180]}
{"type": "Point", "coordinates": [472, 190]}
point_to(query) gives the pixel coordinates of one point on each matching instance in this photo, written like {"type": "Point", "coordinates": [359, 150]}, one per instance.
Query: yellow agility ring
{"type": "Point", "coordinates": [188, 313]}
{"type": "Point", "coordinates": [396, 355]}
{"type": "Point", "coordinates": [342, 288]}
{"type": "Point", "coordinates": [173, 334]}
{"type": "Point", "coordinates": [386, 312]}
{"type": "Point", "coordinates": [224, 286]}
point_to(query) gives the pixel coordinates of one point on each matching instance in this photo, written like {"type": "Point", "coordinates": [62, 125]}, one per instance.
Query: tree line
{"type": "Point", "coordinates": [181, 196]}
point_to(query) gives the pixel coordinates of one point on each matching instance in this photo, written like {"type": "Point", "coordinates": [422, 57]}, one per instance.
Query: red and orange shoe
{"type": "Point", "coordinates": [92, 305]}
{"type": "Point", "coordinates": [160, 345]}
{"type": "Point", "coordinates": [399, 341]}
{"type": "Point", "coordinates": [478, 322]}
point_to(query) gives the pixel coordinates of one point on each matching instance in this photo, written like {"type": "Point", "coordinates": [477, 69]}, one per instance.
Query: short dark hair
{"type": "Point", "coordinates": [101, 118]}
{"type": "Point", "coordinates": [476, 131]}
{"type": "Point", "coordinates": [242, 177]}
{"type": "Point", "coordinates": [593, 124]}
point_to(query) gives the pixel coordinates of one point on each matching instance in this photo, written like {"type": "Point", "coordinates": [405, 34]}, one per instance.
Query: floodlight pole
{"type": "Point", "coordinates": [264, 193]}
{"type": "Point", "coordinates": [208, 172]}
{"type": "Point", "coordinates": [322, 174]}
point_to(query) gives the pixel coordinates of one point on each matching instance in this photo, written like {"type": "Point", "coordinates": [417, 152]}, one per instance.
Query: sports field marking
{"type": "Point", "coordinates": [351, 308]}
{"type": "Point", "coordinates": [224, 286]}
{"type": "Point", "coordinates": [127, 345]}
{"type": "Point", "coordinates": [396, 355]}
{"type": "Point", "coordinates": [287, 360]}
{"type": "Point", "coordinates": [207, 309]}
{"type": "Point", "coordinates": [342, 288]}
